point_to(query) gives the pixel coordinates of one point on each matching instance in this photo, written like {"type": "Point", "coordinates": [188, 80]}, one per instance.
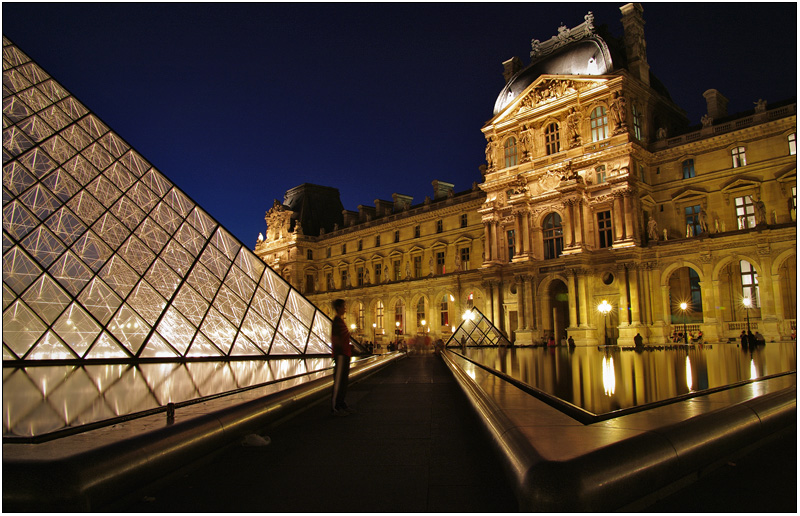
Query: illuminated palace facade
{"type": "Point", "coordinates": [595, 188]}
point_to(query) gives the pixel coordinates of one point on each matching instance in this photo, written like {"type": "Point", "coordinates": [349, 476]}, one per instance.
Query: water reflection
{"type": "Point", "coordinates": [39, 400]}
{"type": "Point", "coordinates": [602, 380]}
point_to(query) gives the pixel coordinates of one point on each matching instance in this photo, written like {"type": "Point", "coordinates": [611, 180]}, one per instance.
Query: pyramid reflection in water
{"type": "Point", "coordinates": [105, 258]}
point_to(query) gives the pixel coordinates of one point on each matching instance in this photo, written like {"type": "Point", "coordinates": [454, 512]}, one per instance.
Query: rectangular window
{"type": "Point", "coordinates": [510, 152]}
{"type": "Point", "coordinates": [439, 226]}
{"type": "Point", "coordinates": [396, 266]}
{"type": "Point", "coordinates": [688, 169]}
{"type": "Point", "coordinates": [328, 252]}
{"type": "Point", "coordinates": [377, 240]}
{"type": "Point", "coordinates": [378, 273]}
{"type": "Point", "coordinates": [641, 174]}
{"type": "Point", "coordinates": [418, 266]}
{"type": "Point", "coordinates": [604, 229]}
{"type": "Point", "coordinates": [738, 156]}
{"type": "Point", "coordinates": [309, 254]}
{"type": "Point", "coordinates": [360, 245]}
{"type": "Point", "coordinates": [379, 314]}
{"type": "Point", "coordinates": [445, 313]}
{"type": "Point", "coordinates": [745, 212]}
{"type": "Point", "coordinates": [309, 283]}
{"type": "Point", "coordinates": [416, 231]}
{"type": "Point", "coordinates": [598, 122]}
{"type": "Point", "coordinates": [692, 216]}
{"type": "Point", "coordinates": [344, 278]}
{"type": "Point", "coordinates": [396, 236]}
{"type": "Point", "coordinates": [360, 276]}
{"type": "Point", "coordinates": [551, 139]}
{"type": "Point", "coordinates": [600, 174]}
{"type": "Point", "coordinates": [510, 241]}
{"type": "Point", "coordinates": [637, 123]}
{"type": "Point", "coordinates": [464, 258]}
{"type": "Point", "coordinates": [360, 316]}
{"type": "Point", "coordinates": [344, 248]}
{"type": "Point", "coordinates": [440, 263]}
{"type": "Point", "coordinates": [793, 204]}
{"type": "Point", "coordinates": [750, 283]}
{"type": "Point", "coordinates": [793, 144]}
{"type": "Point", "coordinates": [463, 220]}
{"type": "Point", "coordinates": [329, 281]}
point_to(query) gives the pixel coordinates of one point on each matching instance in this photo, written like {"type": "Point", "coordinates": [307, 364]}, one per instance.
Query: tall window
{"type": "Point", "coordinates": [510, 240]}
{"type": "Point", "coordinates": [598, 121]}
{"type": "Point", "coordinates": [793, 144]}
{"type": "Point", "coordinates": [439, 226]}
{"type": "Point", "coordinates": [600, 174]}
{"type": "Point", "coordinates": [329, 280]}
{"type": "Point", "coordinates": [360, 245]}
{"type": "Point", "coordinates": [694, 290]}
{"type": "Point", "coordinates": [688, 168]}
{"type": "Point", "coordinates": [418, 266]}
{"type": "Point", "coordinates": [553, 236]}
{"type": "Point", "coordinates": [420, 311]}
{"type": "Point", "coordinates": [552, 141]}
{"type": "Point", "coordinates": [750, 283]}
{"type": "Point", "coordinates": [309, 254]}
{"type": "Point", "coordinates": [464, 258]}
{"type": "Point", "coordinates": [379, 314]}
{"type": "Point", "coordinates": [745, 212]}
{"type": "Point", "coordinates": [510, 151]}
{"type": "Point", "coordinates": [793, 204]}
{"type": "Point", "coordinates": [377, 273]}
{"type": "Point", "coordinates": [360, 276]}
{"type": "Point", "coordinates": [637, 122]}
{"type": "Point", "coordinates": [440, 263]}
{"type": "Point", "coordinates": [396, 267]}
{"type": "Point", "coordinates": [399, 310]}
{"type": "Point", "coordinates": [416, 231]}
{"type": "Point", "coordinates": [396, 236]}
{"type": "Point", "coordinates": [360, 316]}
{"type": "Point", "coordinates": [739, 159]}
{"type": "Point", "coordinates": [692, 215]}
{"type": "Point", "coordinates": [309, 283]}
{"type": "Point", "coordinates": [605, 229]}
{"type": "Point", "coordinates": [470, 301]}
{"type": "Point", "coordinates": [463, 220]}
{"type": "Point", "coordinates": [344, 278]}
{"type": "Point", "coordinates": [344, 248]}
{"type": "Point", "coordinates": [444, 312]}
{"type": "Point", "coordinates": [377, 240]}
{"type": "Point", "coordinates": [328, 252]}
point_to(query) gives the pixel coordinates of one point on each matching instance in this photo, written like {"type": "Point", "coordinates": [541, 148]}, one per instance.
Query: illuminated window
{"type": "Point", "coordinates": [420, 311]}
{"type": "Point", "coordinates": [600, 174]}
{"type": "Point", "coordinates": [328, 252]}
{"type": "Point", "coordinates": [360, 276]}
{"type": "Point", "coordinates": [418, 266]}
{"type": "Point", "coordinates": [688, 168]}
{"type": "Point", "coordinates": [605, 229]}
{"type": "Point", "coordinates": [470, 301]}
{"type": "Point", "coordinates": [344, 278]}
{"type": "Point", "coordinates": [344, 248]}
{"type": "Point", "coordinates": [749, 283]}
{"type": "Point", "coordinates": [360, 245]}
{"type": "Point", "coordinates": [399, 310]}
{"type": "Point", "coordinates": [396, 266]}
{"type": "Point", "coordinates": [553, 236]}
{"type": "Point", "coordinates": [510, 151]}
{"type": "Point", "coordinates": [440, 263]}
{"type": "Point", "coordinates": [793, 205]}
{"type": "Point", "coordinates": [464, 258]}
{"type": "Point", "coordinates": [396, 236]}
{"type": "Point", "coordinates": [738, 156]}
{"type": "Point", "coordinates": [510, 243]}
{"type": "Point", "coordinates": [377, 273]}
{"type": "Point", "coordinates": [552, 139]}
{"type": "Point", "coordinates": [444, 312]}
{"type": "Point", "coordinates": [379, 314]}
{"type": "Point", "coordinates": [598, 121]}
{"type": "Point", "coordinates": [309, 283]}
{"type": "Point", "coordinates": [637, 122]}
{"type": "Point", "coordinates": [745, 212]}
{"type": "Point", "coordinates": [692, 217]}
{"type": "Point", "coordinates": [793, 144]}
{"type": "Point", "coordinates": [360, 316]}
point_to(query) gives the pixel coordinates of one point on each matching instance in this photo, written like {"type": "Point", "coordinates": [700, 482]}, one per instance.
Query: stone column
{"type": "Point", "coordinates": [523, 312]}
{"type": "Point", "coordinates": [534, 305]}
{"type": "Point", "coordinates": [517, 233]}
{"type": "Point", "coordinates": [583, 299]}
{"type": "Point", "coordinates": [648, 294]}
{"type": "Point", "coordinates": [633, 279]}
{"type": "Point", "coordinates": [572, 296]}
{"type": "Point", "coordinates": [526, 233]}
{"type": "Point", "coordinates": [617, 212]}
{"type": "Point", "coordinates": [567, 226]}
{"type": "Point", "coordinates": [537, 249]}
{"type": "Point", "coordinates": [624, 301]}
{"type": "Point", "coordinates": [626, 202]}
{"type": "Point", "coordinates": [487, 234]}
{"type": "Point", "coordinates": [495, 249]}
{"type": "Point", "coordinates": [578, 223]}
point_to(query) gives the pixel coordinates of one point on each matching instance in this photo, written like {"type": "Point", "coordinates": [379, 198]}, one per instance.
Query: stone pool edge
{"type": "Point", "coordinates": [557, 464]}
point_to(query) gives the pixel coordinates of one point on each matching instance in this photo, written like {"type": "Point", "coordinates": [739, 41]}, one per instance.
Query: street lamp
{"type": "Point", "coordinates": [747, 302]}
{"type": "Point", "coordinates": [604, 308]}
{"type": "Point", "coordinates": [684, 306]}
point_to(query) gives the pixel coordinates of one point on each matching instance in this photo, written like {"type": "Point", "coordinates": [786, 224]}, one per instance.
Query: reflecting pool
{"type": "Point", "coordinates": [603, 380]}
{"type": "Point", "coordinates": [45, 399]}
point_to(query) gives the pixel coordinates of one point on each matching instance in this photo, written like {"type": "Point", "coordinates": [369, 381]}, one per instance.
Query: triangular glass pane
{"type": "Point", "coordinates": [19, 271]}
{"type": "Point", "coordinates": [92, 251]}
{"type": "Point", "coordinates": [15, 109]}
{"type": "Point", "coordinates": [201, 222]}
{"type": "Point", "coordinates": [226, 243]}
{"type": "Point", "coordinates": [218, 330]}
{"type": "Point", "coordinates": [258, 330]}
{"type": "Point", "coordinates": [104, 191]}
{"type": "Point", "coordinates": [240, 284]}
{"type": "Point", "coordinates": [230, 305]}
{"type": "Point", "coordinates": [65, 225]}
{"type": "Point", "coordinates": [250, 264]}
{"type": "Point", "coordinates": [119, 276]}
{"type": "Point", "coordinates": [61, 184]}
{"type": "Point", "coordinates": [18, 220]}
{"type": "Point", "coordinates": [281, 346]}
{"type": "Point", "coordinates": [37, 162]}
{"type": "Point", "coordinates": [15, 81]}
{"type": "Point", "coordinates": [71, 273]}
{"type": "Point", "coordinates": [202, 347]}
{"type": "Point", "coordinates": [41, 202]}
{"type": "Point", "coordinates": [120, 176]}
{"type": "Point", "coordinates": [129, 329]}
{"type": "Point", "coordinates": [300, 307]}
{"type": "Point", "coordinates": [166, 217]}
{"type": "Point", "coordinates": [8, 296]}
{"type": "Point", "coordinates": [77, 329]}
{"type": "Point", "coordinates": [177, 258]}
{"type": "Point", "coordinates": [317, 346]}
{"type": "Point", "coordinates": [135, 163]}
{"type": "Point", "coordinates": [21, 328]}
{"type": "Point", "coordinates": [46, 298]}
{"type": "Point", "coordinates": [114, 144]}
{"type": "Point", "coordinates": [295, 331]}
{"type": "Point", "coordinates": [111, 230]}
{"type": "Point", "coordinates": [151, 234]}
{"type": "Point", "coordinates": [162, 277]}
{"type": "Point", "coordinates": [275, 285]}
{"type": "Point", "coordinates": [267, 307]}
{"type": "Point", "coordinates": [157, 347]}
{"type": "Point", "coordinates": [91, 124]}
{"type": "Point", "coordinates": [147, 302]}
{"type": "Point", "coordinates": [100, 300]}
{"type": "Point", "coordinates": [16, 178]}
{"type": "Point", "coordinates": [190, 238]}
{"type": "Point", "coordinates": [176, 330]}
{"type": "Point", "coordinates": [106, 347]}
{"type": "Point", "coordinates": [50, 347]}
{"type": "Point", "coordinates": [43, 245]}
{"type": "Point", "coordinates": [159, 184]}
{"type": "Point", "coordinates": [179, 202]}
{"type": "Point", "coordinates": [215, 262]}
{"type": "Point", "coordinates": [190, 304]}
{"type": "Point", "coordinates": [243, 347]}
{"type": "Point", "coordinates": [203, 281]}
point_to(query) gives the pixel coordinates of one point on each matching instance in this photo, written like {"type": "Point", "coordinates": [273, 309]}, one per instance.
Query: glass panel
{"type": "Point", "coordinates": [317, 346]}
{"type": "Point", "coordinates": [136, 254]}
{"type": "Point", "coordinates": [36, 128]}
{"type": "Point", "coordinates": [15, 81]}
{"type": "Point", "coordinates": [191, 304]}
{"type": "Point", "coordinates": [300, 307]}
{"type": "Point", "coordinates": [218, 330]}
{"type": "Point", "coordinates": [81, 169]}
{"type": "Point", "coordinates": [142, 196]}
{"type": "Point", "coordinates": [8, 296]}
{"type": "Point", "coordinates": [19, 270]}
{"type": "Point", "coordinates": [179, 202]}
{"type": "Point", "coordinates": [92, 125]}
{"type": "Point", "coordinates": [152, 235]}
{"type": "Point", "coordinates": [267, 307]}
{"type": "Point", "coordinates": [243, 347]}
{"type": "Point", "coordinates": [126, 211]}
{"type": "Point", "coordinates": [177, 258]}
{"type": "Point", "coordinates": [71, 272]}
{"type": "Point", "coordinates": [37, 162]}
{"type": "Point", "coordinates": [46, 298]}
{"type": "Point", "coordinates": [203, 281]}
{"type": "Point", "coordinates": [166, 217]}
{"type": "Point", "coordinates": [15, 109]}
{"type": "Point", "coordinates": [240, 284]}
{"type": "Point", "coordinates": [165, 281]}
{"type": "Point", "coordinates": [61, 184]}
{"type": "Point", "coordinates": [65, 225]}
{"type": "Point", "coordinates": [230, 305]}
{"type": "Point", "coordinates": [106, 347]}
{"type": "Point", "coordinates": [32, 71]}
{"type": "Point", "coordinates": [41, 202]}
{"type": "Point", "coordinates": [157, 182]}
{"type": "Point", "coordinates": [50, 347]}
{"type": "Point", "coordinates": [201, 222]}
{"type": "Point", "coordinates": [16, 178]}
{"type": "Point", "coordinates": [34, 98]}
{"type": "Point", "coordinates": [119, 276]}
{"type": "Point", "coordinates": [147, 302]}
{"type": "Point", "coordinates": [190, 239]}
{"type": "Point", "coordinates": [215, 262]}
{"type": "Point", "coordinates": [176, 330]}
{"type": "Point", "coordinates": [294, 331]}
{"type": "Point", "coordinates": [157, 347]}
{"type": "Point", "coordinates": [55, 117]}
{"type": "Point", "coordinates": [21, 328]}
{"type": "Point", "coordinates": [104, 191]}
{"type": "Point", "coordinates": [18, 220]}
{"type": "Point", "coordinates": [77, 329]}
{"type": "Point", "coordinates": [111, 230]}
{"type": "Point", "coordinates": [120, 176]}
{"type": "Point", "coordinates": [91, 249]}
{"type": "Point", "coordinates": [282, 347]}
{"type": "Point", "coordinates": [202, 347]}
{"type": "Point", "coordinates": [258, 330]}
{"type": "Point", "coordinates": [76, 136]}
{"type": "Point", "coordinates": [100, 300]}
{"type": "Point", "coordinates": [225, 243]}
{"type": "Point", "coordinates": [250, 264]}
{"type": "Point", "coordinates": [135, 163]}
{"type": "Point", "coordinates": [58, 149]}
{"type": "Point", "coordinates": [15, 141]}
{"type": "Point", "coordinates": [86, 207]}
{"type": "Point", "coordinates": [98, 156]}
{"type": "Point", "coordinates": [275, 285]}
{"type": "Point", "coordinates": [114, 144]}
{"type": "Point", "coordinates": [322, 326]}
{"type": "Point", "coordinates": [129, 329]}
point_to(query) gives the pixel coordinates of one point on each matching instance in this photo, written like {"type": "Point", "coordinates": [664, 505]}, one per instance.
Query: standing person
{"type": "Point", "coordinates": [341, 351]}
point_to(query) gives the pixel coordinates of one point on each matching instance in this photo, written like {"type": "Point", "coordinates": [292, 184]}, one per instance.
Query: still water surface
{"type": "Point", "coordinates": [603, 380]}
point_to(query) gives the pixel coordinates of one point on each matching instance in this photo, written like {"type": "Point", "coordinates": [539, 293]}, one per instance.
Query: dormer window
{"type": "Point", "coordinates": [738, 156]}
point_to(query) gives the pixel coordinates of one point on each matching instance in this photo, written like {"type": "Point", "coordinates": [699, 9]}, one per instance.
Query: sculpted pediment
{"type": "Point", "coordinates": [545, 90]}
{"type": "Point", "coordinates": [689, 193]}
{"type": "Point", "coordinates": [740, 182]}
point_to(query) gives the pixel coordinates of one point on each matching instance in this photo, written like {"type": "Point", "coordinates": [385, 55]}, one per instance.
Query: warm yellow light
{"type": "Point", "coordinates": [604, 307]}
{"type": "Point", "coordinates": [374, 325]}
{"type": "Point", "coordinates": [452, 329]}
{"type": "Point", "coordinates": [747, 302]}
{"type": "Point", "coordinates": [423, 322]}
{"type": "Point", "coordinates": [684, 306]}
{"type": "Point", "coordinates": [353, 326]}
{"type": "Point", "coordinates": [452, 298]}
{"type": "Point", "coordinates": [397, 323]}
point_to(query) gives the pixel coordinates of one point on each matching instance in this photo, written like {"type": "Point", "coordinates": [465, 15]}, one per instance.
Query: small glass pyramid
{"type": "Point", "coordinates": [476, 330]}
{"type": "Point", "coordinates": [105, 258]}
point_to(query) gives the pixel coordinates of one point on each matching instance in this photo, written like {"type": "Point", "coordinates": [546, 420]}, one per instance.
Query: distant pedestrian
{"type": "Point", "coordinates": [638, 341]}
{"type": "Point", "coordinates": [341, 351]}
{"type": "Point", "coordinates": [571, 342]}
{"type": "Point", "coordinates": [743, 339]}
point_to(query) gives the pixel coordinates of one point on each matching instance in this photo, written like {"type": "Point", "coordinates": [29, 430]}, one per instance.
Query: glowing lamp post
{"type": "Point", "coordinates": [747, 302]}
{"type": "Point", "coordinates": [684, 306]}
{"type": "Point", "coordinates": [604, 308]}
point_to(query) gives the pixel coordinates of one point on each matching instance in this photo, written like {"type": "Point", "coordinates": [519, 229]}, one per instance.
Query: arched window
{"type": "Point", "coordinates": [420, 311]}
{"type": "Point", "coordinates": [750, 283]}
{"type": "Point", "coordinates": [379, 314]}
{"type": "Point", "coordinates": [553, 236]}
{"type": "Point", "coordinates": [360, 316]}
{"type": "Point", "coordinates": [470, 301]}
{"type": "Point", "coordinates": [510, 149]}
{"type": "Point", "coordinates": [551, 139]}
{"type": "Point", "coordinates": [598, 121]}
{"type": "Point", "coordinates": [399, 311]}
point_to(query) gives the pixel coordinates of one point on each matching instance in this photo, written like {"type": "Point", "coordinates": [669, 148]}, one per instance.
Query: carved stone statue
{"type": "Point", "coordinates": [490, 154]}
{"type": "Point", "coordinates": [761, 212]}
{"type": "Point", "coordinates": [408, 270]}
{"type": "Point", "coordinates": [458, 262]}
{"type": "Point", "coordinates": [661, 134]}
{"type": "Point", "coordinates": [385, 273]}
{"type": "Point", "coordinates": [706, 120]}
{"type": "Point", "coordinates": [703, 220]}
{"type": "Point", "coordinates": [665, 234]}
{"type": "Point", "coordinates": [652, 230]}
{"type": "Point", "coordinates": [689, 231]}
{"type": "Point", "coordinates": [430, 264]}
{"type": "Point", "coordinates": [525, 143]}
{"type": "Point", "coordinates": [573, 124]}
{"type": "Point", "coordinates": [618, 112]}
{"type": "Point", "coordinates": [761, 105]}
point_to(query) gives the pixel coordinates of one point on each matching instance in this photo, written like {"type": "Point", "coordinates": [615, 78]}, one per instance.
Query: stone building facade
{"type": "Point", "coordinates": [595, 188]}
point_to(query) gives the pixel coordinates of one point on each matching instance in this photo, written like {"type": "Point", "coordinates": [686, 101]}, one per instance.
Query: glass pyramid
{"type": "Point", "coordinates": [105, 258]}
{"type": "Point", "coordinates": [478, 331]}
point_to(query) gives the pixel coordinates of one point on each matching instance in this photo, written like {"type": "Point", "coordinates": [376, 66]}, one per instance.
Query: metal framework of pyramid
{"type": "Point", "coordinates": [105, 258]}
{"type": "Point", "coordinates": [478, 331]}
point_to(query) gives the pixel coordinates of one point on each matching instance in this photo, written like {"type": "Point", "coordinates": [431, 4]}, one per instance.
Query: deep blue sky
{"type": "Point", "coordinates": [237, 103]}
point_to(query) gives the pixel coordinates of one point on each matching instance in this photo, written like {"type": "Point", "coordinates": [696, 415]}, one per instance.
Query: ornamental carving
{"type": "Point", "coordinates": [278, 219]}
{"type": "Point", "coordinates": [547, 182]}
{"type": "Point", "coordinates": [548, 90]}
{"type": "Point", "coordinates": [564, 36]}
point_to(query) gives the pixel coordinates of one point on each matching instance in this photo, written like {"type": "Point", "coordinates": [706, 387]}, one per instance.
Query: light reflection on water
{"type": "Point", "coordinates": [603, 380]}
{"type": "Point", "coordinates": [43, 399]}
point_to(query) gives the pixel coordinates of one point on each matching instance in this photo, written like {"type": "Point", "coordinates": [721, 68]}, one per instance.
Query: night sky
{"type": "Point", "coordinates": [237, 103]}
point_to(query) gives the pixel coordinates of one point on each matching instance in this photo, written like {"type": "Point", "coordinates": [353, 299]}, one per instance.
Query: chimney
{"type": "Point", "coordinates": [441, 189]}
{"type": "Point", "coordinates": [635, 44]}
{"type": "Point", "coordinates": [511, 67]}
{"type": "Point", "coordinates": [716, 103]}
{"type": "Point", "coordinates": [401, 202]}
